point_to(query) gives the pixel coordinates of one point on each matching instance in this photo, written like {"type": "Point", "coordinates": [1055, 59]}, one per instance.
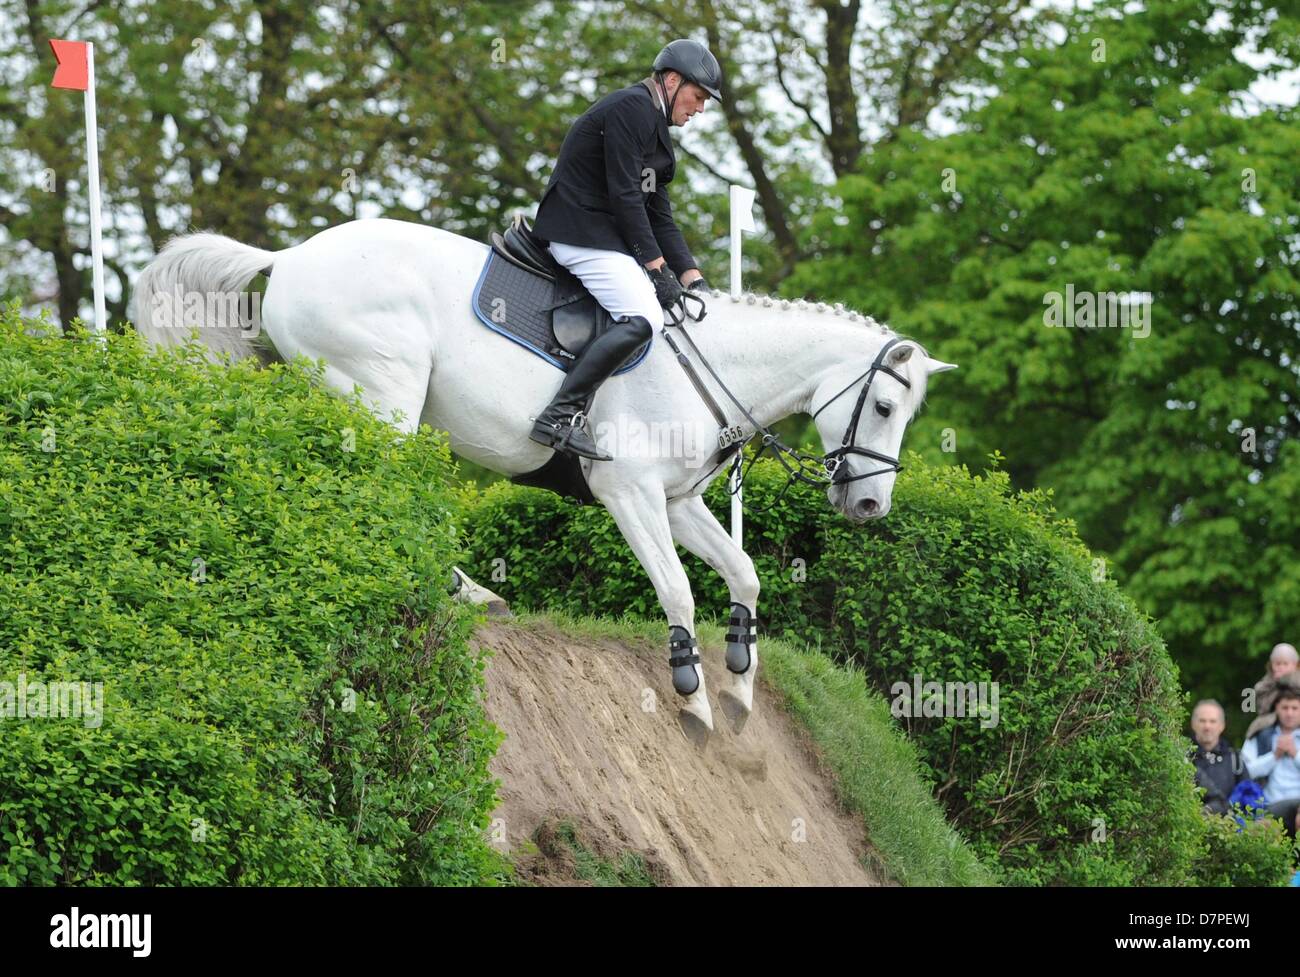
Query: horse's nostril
{"type": "Point", "coordinates": [866, 508]}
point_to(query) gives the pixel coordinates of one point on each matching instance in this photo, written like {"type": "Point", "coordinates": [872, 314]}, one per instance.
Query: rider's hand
{"type": "Point", "coordinates": [698, 285]}
{"type": "Point", "coordinates": [668, 290]}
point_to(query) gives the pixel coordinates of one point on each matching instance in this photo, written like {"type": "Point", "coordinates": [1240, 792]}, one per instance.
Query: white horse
{"type": "Point", "coordinates": [387, 305]}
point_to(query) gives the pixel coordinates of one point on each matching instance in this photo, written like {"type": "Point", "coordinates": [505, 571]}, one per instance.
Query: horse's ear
{"type": "Point", "coordinates": [899, 354]}
{"type": "Point", "coordinates": [938, 366]}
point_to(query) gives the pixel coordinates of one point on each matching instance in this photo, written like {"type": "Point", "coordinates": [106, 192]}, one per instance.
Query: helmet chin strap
{"type": "Point", "coordinates": [663, 90]}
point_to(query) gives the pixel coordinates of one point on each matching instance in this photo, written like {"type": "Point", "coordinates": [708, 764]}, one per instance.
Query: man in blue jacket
{"type": "Point", "coordinates": [606, 216]}
{"type": "Point", "coordinates": [1271, 755]}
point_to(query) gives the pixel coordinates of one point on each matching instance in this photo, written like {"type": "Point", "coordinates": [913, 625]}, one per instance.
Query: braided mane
{"type": "Point", "coordinates": [803, 304]}
{"type": "Point", "coordinates": [753, 298]}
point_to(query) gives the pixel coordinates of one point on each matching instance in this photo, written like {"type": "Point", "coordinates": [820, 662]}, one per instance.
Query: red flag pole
{"type": "Point", "coordinates": [74, 72]}
{"type": "Point", "coordinates": [92, 163]}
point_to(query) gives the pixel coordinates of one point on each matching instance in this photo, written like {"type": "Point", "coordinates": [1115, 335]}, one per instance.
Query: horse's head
{"type": "Point", "coordinates": [861, 410]}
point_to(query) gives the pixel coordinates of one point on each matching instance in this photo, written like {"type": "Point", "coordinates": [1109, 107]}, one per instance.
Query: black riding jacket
{"type": "Point", "coordinates": [609, 186]}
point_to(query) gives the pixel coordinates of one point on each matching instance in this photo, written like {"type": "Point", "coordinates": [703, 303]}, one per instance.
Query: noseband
{"type": "Point", "coordinates": [834, 460]}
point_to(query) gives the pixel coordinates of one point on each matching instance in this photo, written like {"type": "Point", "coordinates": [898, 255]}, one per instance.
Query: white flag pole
{"type": "Point", "coordinates": [92, 161]}
{"type": "Point", "coordinates": [742, 219]}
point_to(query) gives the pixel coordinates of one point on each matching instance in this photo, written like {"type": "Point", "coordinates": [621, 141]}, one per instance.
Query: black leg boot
{"type": "Point", "coordinates": [559, 426]}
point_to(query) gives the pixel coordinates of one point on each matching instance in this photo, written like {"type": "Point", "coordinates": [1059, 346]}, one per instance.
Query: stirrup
{"type": "Point", "coordinates": [569, 438]}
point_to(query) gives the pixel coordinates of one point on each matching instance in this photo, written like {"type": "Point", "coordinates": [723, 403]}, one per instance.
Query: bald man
{"type": "Point", "coordinates": [1219, 768]}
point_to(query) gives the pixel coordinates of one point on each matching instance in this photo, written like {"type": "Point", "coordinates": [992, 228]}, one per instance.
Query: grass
{"type": "Point", "coordinates": [877, 774]}
{"type": "Point", "coordinates": [557, 846]}
{"type": "Point", "coordinates": [876, 769]}
{"type": "Point", "coordinates": [630, 870]}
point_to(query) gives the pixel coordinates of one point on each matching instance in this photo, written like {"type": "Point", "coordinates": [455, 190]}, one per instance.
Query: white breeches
{"type": "Point", "coordinates": [615, 279]}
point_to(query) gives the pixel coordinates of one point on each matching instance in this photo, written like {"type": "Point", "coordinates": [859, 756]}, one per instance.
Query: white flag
{"type": "Point", "coordinates": [742, 208]}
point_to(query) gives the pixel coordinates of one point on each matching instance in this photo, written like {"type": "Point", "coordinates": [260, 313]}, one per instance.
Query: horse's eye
{"type": "Point", "coordinates": [882, 410]}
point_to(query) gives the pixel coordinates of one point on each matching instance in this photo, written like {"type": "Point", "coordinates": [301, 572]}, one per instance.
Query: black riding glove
{"type": "Point", "coordinates": [699, 285]}
{"type": "Point", "coordinates": [668, 290]}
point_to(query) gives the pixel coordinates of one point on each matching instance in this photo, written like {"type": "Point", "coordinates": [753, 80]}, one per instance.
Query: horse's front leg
{"type": "Point", "coordinates": [697, 529]}
{"type": "Point", "coordinates": [641, 514]}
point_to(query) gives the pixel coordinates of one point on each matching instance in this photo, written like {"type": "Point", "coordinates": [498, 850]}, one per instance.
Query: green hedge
{"type": "Point", "coordinates": [1258, 856]}
{"type": "Point", "coordinates": [1083, 780]}
{"type": "Point", "coordinates": [301, 706]}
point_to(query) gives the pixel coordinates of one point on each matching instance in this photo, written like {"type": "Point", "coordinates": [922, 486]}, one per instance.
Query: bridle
{"type": "Point", "coordinates": [800, 467]}
{"type": "Point", "coordinates": [834, 460]}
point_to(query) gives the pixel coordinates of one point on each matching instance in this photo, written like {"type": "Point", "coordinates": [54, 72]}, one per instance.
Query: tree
{"type": "Point", "coordinates": [1128, 157]}
{"type": "Point", "coordinates": [267, 120]}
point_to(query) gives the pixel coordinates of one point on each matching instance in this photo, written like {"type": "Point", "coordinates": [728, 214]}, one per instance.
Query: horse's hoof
{"type": "Point", "coordinates": [695, 728]}
{"type": "Point", "coordinates": [734, 709]}
{"type": "Point", "coordinates": [468, 592]}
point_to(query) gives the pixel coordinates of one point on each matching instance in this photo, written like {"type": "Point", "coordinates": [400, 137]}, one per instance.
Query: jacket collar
{"type": "Point", "coordinates": [1223, 746]}
{"type": "Point", "coordinates": [662, 128]}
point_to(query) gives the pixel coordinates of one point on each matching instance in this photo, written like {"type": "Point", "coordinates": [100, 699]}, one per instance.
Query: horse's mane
{"type": "Point", "coordinates": [837, 309]}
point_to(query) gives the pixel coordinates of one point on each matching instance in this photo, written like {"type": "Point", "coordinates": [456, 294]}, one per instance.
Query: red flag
{"type": "Point", "coordinates": [72, 71]}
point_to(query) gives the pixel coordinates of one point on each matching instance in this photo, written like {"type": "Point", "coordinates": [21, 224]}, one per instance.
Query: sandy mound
{"type": "Point", "coordinates": [753, 809]}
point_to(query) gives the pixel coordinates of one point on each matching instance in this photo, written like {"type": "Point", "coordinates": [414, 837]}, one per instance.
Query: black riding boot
{"type": "Point", "coordinates": [559, 426]}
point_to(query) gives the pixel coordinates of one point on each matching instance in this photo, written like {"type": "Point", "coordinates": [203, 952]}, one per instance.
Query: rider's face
{"type": "Point", "coordinates": [690, 100]}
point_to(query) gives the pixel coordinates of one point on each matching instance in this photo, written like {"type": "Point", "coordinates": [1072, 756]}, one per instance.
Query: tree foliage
{"type": "Point", "coordinates": [1127, 157]}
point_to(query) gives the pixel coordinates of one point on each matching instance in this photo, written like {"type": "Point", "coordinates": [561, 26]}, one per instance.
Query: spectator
{"type": "Point", "coordinates": [1219, 768]}
{"type": "Point", "coordinates": [1271, 754]}
{"type": "Point", "coordinates": [1282, 661]}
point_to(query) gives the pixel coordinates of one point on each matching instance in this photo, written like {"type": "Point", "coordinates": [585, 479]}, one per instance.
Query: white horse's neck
{"type": "Point", "coordinates": [774, 357]}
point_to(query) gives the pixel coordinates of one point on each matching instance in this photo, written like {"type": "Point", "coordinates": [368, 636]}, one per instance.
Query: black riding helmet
{"type": "Point", "coordinates": [694, 62]}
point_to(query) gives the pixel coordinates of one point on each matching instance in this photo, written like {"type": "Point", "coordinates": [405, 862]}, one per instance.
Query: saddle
{"type": "Point", "coordinates": [527, 296]}
{"type": "Point", "coordinates": [524, 294]}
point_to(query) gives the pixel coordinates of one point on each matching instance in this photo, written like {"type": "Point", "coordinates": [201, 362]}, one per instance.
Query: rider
{"type": "Point", "coordinates": [606, 216]}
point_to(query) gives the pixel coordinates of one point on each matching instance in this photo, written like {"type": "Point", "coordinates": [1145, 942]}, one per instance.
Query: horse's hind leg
{"type": "Point", "coordinates": [385, 392]}
{"type": "Point", "coordinates": [697, 529]}
{"type": "Point", "coordinates": [396, 394]}
{"type": "Point", "coordinates": [467, 591]}
{"type": "Point", "coordinates": [388, 354]}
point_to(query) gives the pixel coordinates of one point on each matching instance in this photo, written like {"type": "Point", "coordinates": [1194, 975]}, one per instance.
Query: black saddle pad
{"type": "Point", "coordinates": [529, 309]}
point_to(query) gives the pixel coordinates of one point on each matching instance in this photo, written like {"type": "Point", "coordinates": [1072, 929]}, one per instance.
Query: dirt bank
{"type": "Point", "coordinates": [592, 737]}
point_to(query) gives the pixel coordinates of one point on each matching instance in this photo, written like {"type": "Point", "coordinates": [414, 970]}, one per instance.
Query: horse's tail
{"type": "Point", "coordinates": [198, 272]}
